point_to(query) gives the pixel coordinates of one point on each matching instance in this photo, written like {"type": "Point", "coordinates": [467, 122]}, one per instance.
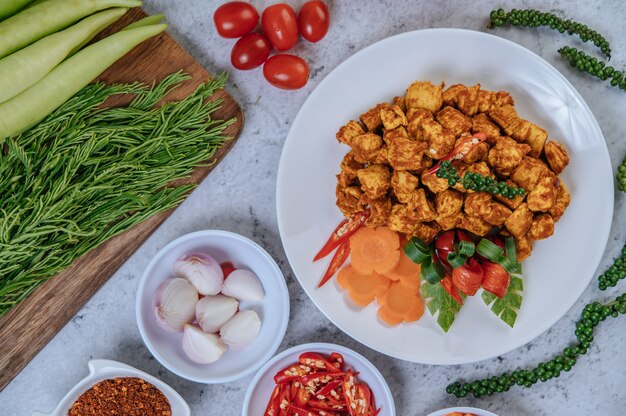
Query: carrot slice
{"type": "Point", "coordinates": [374, 250]}
{"type": "Point", "coordinates": [362, 288]}
{"type": "Point", "coordinates": [406, 272]}
{"type": "Point", "coordinates": [400, 302]}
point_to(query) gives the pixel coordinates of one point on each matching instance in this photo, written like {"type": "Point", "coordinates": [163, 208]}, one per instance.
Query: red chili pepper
{"type": "Point", "coordinates": [317, 361]}
{"type": "Point", "coordinates": [307, 411]}
{"type": "Point", "coordinates": [468, 277]}
{"type": "Point", "coordinates": [291, 373]}
{"type": "Point", "coordinates": [328, 404]}
{"type": "Point", "coordinates": [496, 279]}
{"type": "Point", "coordinates": [460, 151]}
{"type": "Point", "coordinates": [340, 257]}
{"type": "Point", "coordinates": [273, 406]}
{"type": "Point", "coordinates": [283, 400]}
{"type": "Point", "coordinates": [343, 231]}
{"type": "Point", "coordinates": [326, 390]}
{"type": "Point", "coordinates": [337, 360]}
{"type": "Point", "coordinates": [320, 378]}
{"type": "Point", "coordinates": [299, 394]}
{"type": "Point", "coordinates": [448, 285]}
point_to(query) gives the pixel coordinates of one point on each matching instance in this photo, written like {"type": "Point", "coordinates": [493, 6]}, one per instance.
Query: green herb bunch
{"type": "Point", "coordinates": [86, 174]}
{"type": "Point", "coordinates": [593, 66]}
{"type": "Point", "coordinates": [591, 316]}
{"type": "Point", "coordinates": [476, 182]}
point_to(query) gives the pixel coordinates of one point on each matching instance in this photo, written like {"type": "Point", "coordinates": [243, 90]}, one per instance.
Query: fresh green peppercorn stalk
{"type": "Point", "coordinates": [621, 176]}
{"type": "Point", "coordinates": [476, 182]}
{"type": "Point", "coordinates": [591, 65]}
{"type": "Point", "coordinates": [535, 18]}
{"type": "Point", "coordinates": [615, 273]}
{"type": "Point", "coordinates": [591, 316]}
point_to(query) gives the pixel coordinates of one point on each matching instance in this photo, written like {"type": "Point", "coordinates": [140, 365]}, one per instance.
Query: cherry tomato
{"type": "Point", "coordinates": [288, 72]}
{"type": "Point", "coordinates": [444, 245]}
{"type": "Point", "coordinates": [468, 277]}
{"type": "Point", "coordinates": [235, 19]}
{"type": "Point", "coordinates": [496, 279]}
{"type": "Point", "coordinates": [313, 20]}
{"type": "Point", "coordinates": [250, 51]}
{"type": "Point", "coordinates": [280, 25]}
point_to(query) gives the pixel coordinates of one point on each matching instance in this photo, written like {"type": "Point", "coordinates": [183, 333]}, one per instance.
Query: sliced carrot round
{"type": "Point", "coordinates": [400, 301]}
{"type": "Point", "coordinates": [362, 288]}
{"type": "Point", "coordinates": [374, 250]}
{"type": "Point", "coordinates": [389, 316]}
{"type": "Point", "coordinates": [406, 271]}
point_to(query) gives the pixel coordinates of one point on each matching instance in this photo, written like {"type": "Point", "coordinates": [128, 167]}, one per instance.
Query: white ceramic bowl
{"type": "Point", "coordinates": [472, 410]}
{"type": "Point", "coordinates": [106, 369]}
{"type": "Point", "coordinates": [262, 385]}
{"type": "Point", "coordinates": [273, 310]}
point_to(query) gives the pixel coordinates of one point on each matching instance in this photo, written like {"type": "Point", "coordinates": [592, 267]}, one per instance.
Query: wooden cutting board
{"type": "Point", "coordinates": [30, 325]}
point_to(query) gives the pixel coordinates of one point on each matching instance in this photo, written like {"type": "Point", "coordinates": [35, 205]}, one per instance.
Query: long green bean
{"type": "Point", "coordinates": [146, 21]}
{"type": "Point", "coordinates": [9, 7]}
{"type": "Point", "coordinates": [35, 103]}
{"type": "Point", "coordinates": [49, 17]}
{"type": "Point", "coordinates": [25, 67]}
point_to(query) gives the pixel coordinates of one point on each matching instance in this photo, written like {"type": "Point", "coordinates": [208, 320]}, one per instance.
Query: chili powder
{"type": "Point", "coordinates": [128, 396]}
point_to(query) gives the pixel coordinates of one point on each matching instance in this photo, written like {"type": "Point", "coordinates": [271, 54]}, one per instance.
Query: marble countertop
{"type": "Point", "coordinates": [240, 196]}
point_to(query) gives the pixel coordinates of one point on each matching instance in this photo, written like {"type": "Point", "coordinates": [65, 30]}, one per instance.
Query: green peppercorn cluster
{"type": "Point", "coordinates": [615, 273]}
{"type": "Point", "coordinates": [535, 18]}
{"type": "Point", "coordinates": [621, 176]}
{"type": "Point", "coordinates": [476, 182]}
{"type": "Point", "coordinates": [591, 65]}
{"type": "Point", "coordinates": [592, 315]}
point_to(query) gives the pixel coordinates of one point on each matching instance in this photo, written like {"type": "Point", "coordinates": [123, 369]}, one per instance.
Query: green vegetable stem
{"type": "Point", "coordinates": [591, 65]}
{"type": "Point", "coordinates": [592, 315]}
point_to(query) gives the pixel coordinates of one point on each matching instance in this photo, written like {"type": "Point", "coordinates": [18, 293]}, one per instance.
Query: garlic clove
{"type": "Point", "coordinates": [214, 311]}
{"type": "Point", "coordinates": [175, 304]}
{"type": "Point", "coordinates": [202, 270]}
{"type": "Point", "coordinates": [243, 285]}
{"type": "Point", "coordinates": [241, 329]}
{"type": "Point", "coordinates": [200, 347]}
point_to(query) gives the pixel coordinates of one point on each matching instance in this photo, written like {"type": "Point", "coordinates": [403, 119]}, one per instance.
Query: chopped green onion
{"type": "Point", "coordinates": [490, 251]}
{"type": "Point", "coordinates": [511, 257]}
{"type": "Point", "coordinates": [432, 271]}
{"type": "Point", "coordinates": [466, 248]}
{"type": "Point", "coordinates": [456, 260]}
{"type": "Point", "coordinates": [417, 250]}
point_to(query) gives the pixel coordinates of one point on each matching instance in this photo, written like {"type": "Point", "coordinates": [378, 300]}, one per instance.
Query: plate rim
{"type": "Point", "coordinates": [604, 238]}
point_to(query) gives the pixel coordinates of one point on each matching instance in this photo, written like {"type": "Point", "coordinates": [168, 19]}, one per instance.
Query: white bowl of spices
{"type": "Point", "coordinates": [121, 389]}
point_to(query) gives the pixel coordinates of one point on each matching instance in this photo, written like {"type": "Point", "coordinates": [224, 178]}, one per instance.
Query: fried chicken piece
{"type": "Point", "coordinates": [440, 141]}
{"type": "Point", "coordinates": [400, 102]}
{"type": "Point", "coordinates": [347, 133]}
{"type": "Point", "coordinates": [477, 153]}
{"type": "Point", "coordinates": [349, 169]}
{"type": "Point", "coordinates": [510, 203]}
{"type": "Point", "coordinates": [403, 182]}
{"type": "Point", "coordinates": [381, 157]}
{"type": "Point", "coordinates": [391, 135]}
{"type": "Point", "coordinates": [421, 207]}
{"type": "Point", "coordinates": [463, 97]}
{"type": "Point", "coordinates": [416, 117]}
{"type": "Point", "coordinates": [454, 121]}
{"type": "Point", "coordinates": [536, 139]}
{"type": "Point", "coordinates": [405, 154]}
{"type": "Point", "coordinates": [488, 100]}
{"type": "Point", "coordinates": [562, 202]}
{"type": "Point", "coordinates": [424, 94]}
{"type": "Point", "coordinates": [477, 204]}
{"type": "Point", "coordinates": [450, 222]}
{"type": "Point", "coordinates": [523, 247]}
{"type": "Point", "coordinates": [366, 146]}
{"type": "Point", "coordinates": [435, 184]}
{"type": "Point", "coordinates": [519, 221]}
{"type": "Point", "coordinates": [375, 180]}
{"type": "Point", "coordinates": [506, 155]}
{"type": "Point", "coordinates": [507, 118]}
{"type": "Point", "coordinates": [475, 225]}
{"type": "Point", "coordinates": [427, 231]}
{"type": "Point", "coordinates": [448, 203]}
{"type": "Point", "coordinates": [543, 197]}
{"type": "Point", "coordinates": [371, 118]}
{"type": "Point", "coordinates": [393, 117]}
{"type": "Point", "coordinates": [497, 214]}
{"type": "Point", "coordinates": [542, 227]}
{"type": "Point", "coordinates": [556, 155]}
{"type": "Point", "coordinates": [380, 209]}
{"type": "Point", "coordinates": [400, 220]}
{"type": "Point", "coordinates": [349, 199]}
{"type": "Point", "coordinates": [426, 163]}
{"type": "Point", "coordinates": [528, 173]}
{"type": "Point", "coordinates": [482, 124]}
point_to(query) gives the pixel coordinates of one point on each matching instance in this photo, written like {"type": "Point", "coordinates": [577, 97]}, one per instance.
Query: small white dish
{"type": "Point", "coordinates": [107, 369]}
{"type": "Point", "coordinates": [273, 309]}
{"type": "Point", "coordinates": [261, 387]}
{"type": "Point", "coordinates": [472, 410]}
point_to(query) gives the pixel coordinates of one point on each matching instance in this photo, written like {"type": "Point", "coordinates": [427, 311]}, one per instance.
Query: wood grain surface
{"type": "Point", "coordinates": [29, 326]}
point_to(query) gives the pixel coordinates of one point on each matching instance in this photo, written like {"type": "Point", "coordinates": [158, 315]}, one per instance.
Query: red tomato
{"type": "Point", "coordinates": [280, 25]}
{"type": "Point", "coordinates": [235, 19]}
{"type": "Point", "coordinates": [288, 72]}
{"type": "Point", "coordinates": [496, 280]}
{"type": "Point", "coordinates": [445, 245]}
{"type": "Point", "coordinates": [313, 20]}
{"type": "Point", "coordinates": [250, 51]}
{"type": "Point", "coordinates": [468, 277]}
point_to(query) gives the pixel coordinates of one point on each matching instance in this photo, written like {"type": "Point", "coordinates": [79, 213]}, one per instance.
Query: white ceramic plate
{"type": "Point", "coordinates": [273, 310]}
{"type": "Point", "coordinates": [261, 387]}
{"type": "Point", "coordinates": [472, 410]}
{"type": "Point", "coordinates": [107, 369]}
{"type": "Point", "coordinates": [560, 267]}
